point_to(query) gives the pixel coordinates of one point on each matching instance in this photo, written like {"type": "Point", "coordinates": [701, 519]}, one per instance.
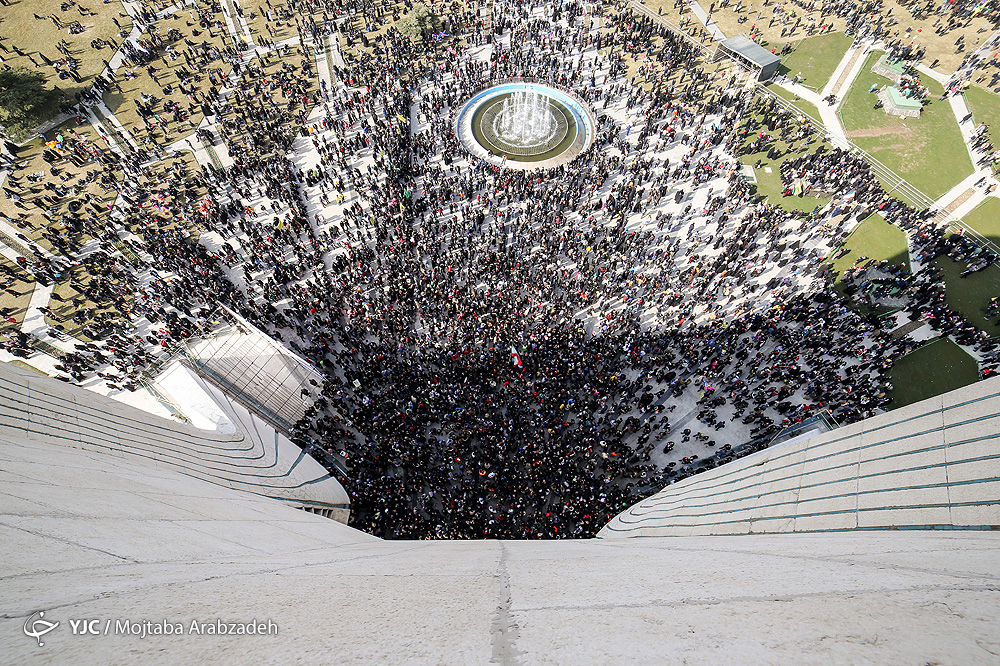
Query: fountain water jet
{"type": "Point", "coordinates": [525, 125]}
{"type": "Point", "coordinates": [525, 118]}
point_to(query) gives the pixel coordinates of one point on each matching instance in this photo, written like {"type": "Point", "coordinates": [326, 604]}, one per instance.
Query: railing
{"type": "Point", "coordinates": [237, 394]}
{"type": "Point", "coordinates": [277, 413]}
{"type": "Point", "coordinates": [980, 239]}
{"type": "Point", "coordinates": [328, 460]}
{"type": "Point", "coordinates": [183, 353]}
{"type": "Point", "coordinates": [799, 428]}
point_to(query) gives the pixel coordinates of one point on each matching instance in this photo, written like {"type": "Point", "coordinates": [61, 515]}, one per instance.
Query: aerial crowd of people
{"type": "Point", "coordinates": [507, 353]}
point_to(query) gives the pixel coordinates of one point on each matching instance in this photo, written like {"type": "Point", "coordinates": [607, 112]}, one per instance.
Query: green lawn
{"type": "Point", "coordinates": [936, 368]}
{"type": "Point", "coordinates": [986, 219]}
{"type": "Point", "coordinates": [37, 37]}
{"type": "Point", "coordinates": [985, 107]}
{"type": "Point", "coordinates": [876, 239]}
{"type": "Point", "coordinates": [769, 185]}
{"type": "Point", "coordinates": [816, 58]}
{"type": "Point", "coordinates": [969, 295]}
{"type": "Point", "coordinates": [807, 107]}
{"type": "Point", "coordinates": [927, 151]}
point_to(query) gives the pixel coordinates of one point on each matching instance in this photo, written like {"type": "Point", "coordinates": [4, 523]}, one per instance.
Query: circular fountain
{"type": "Point", "coordinates": [525, 125]}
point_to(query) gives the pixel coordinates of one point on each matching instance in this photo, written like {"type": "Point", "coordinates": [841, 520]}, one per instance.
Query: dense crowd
{"type": "Point", "coordinates": [505, 351]}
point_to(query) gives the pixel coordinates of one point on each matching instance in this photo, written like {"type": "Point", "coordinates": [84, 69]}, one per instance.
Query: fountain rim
{"type": "Point", "coordinates": [582, 114]}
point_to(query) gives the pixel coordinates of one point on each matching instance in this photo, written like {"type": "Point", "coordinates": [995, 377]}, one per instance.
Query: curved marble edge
{"type": "Point", "coordinates": [256, 458]}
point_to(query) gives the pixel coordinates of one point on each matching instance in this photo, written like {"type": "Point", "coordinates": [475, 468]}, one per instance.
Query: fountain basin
{"type": "Point", "coordinates": [525, 125]}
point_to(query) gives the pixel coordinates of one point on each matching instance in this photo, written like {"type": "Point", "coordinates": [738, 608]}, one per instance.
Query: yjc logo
{"type": "Point", "coordinates": [81, 627]}
{"type": "Point", "coordinates": [38, 628]}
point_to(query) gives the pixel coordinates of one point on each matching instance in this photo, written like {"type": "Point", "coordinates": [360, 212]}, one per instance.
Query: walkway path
{"type": "Point", "coordinates": [241, 22]}
{"type": "Point", "coordinates": [709, 24]}
{"type": "Point", "coordinates": [35, 248]}
{"type": "Point", "coordinates": [9, 252]}
{"type": "Point", "coordinates": [959, 200]}
{"type": "Point", "coordinates": [964, 197]}
{"type": "Point", "coordinates": [827, 113]}
{"type": "Point", "coordinates": [231, 25]}
{"type": "Point", "coordinates": [846, 70]}
{"type": "Point", "coordinates": [34, 319]}
{"type": "Point", "coordinates": [103, 132]}
{"type": "Point", "coordinates": [122, 130]}
{"type": "Point", "coordinates": [325, 56]}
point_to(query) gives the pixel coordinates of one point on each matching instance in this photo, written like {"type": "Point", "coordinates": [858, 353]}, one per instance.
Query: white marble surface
{"type": "Point", "coordinates": [179, 383]}
{"type": "Point", "coordinates": [928, 464]}
{"type": "Point", "coordinates": [85, 535]}
{"type": "Point", "coordinates": [252, 457]}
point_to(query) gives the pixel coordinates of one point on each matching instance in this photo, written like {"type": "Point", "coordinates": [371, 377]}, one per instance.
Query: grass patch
{"type": "Point", "coordinates": [969, 295]}
{"type": "Point", "coordinates": [276, 22]}
{"type": "Point", "coordinates": [873, 238]}
{"type": "Point", "coordinates": [927, 151]}
{"type": "Point", "coordinates": [985, 219]}
{"type": "Point", "coordinates": [76, 313]}
{"type": "Point", "coordinates": [985, 108]}
{"type": "Point", "coordinates": [774, 30]}
{"type": "Point", "coordinates": [24, 366]}
{"type": "Point", "coordinates": [39, 213]}
{"type": "Point", "coordinates": [669, 11]}
{"type": "Point", "coordinates": [175, 188]}
{"type": "Point", "coordinates": [936, 368]}
{"type": "Point", "coordinates": [816, 58]}
{"type": "Point", "coordinates": [173, 72]}
{"type": "Point", "coordinates": [769, 185]}
{"type": "Point", "coordinates": [805, 106]}
{"type": "Point", "coordinates": [37, 39]}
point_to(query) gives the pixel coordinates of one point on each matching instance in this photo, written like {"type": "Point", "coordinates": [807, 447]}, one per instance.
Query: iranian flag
{"type": "Point", "coordinates": [515, 358]}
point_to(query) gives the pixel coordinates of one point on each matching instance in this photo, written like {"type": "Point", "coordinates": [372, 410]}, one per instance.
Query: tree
{"type": "Point", "coordinates": [419, 22]}
{"type": "Point", "coordinates": [22, 97]}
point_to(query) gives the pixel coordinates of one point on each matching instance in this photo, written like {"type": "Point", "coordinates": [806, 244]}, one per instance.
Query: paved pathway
{"type": "Point", "coordinates": [102, 131]}
{"type": "Point", "coordinates": [34, 319]}
{"type": "Point", "coordinates": [958, 201]}
{"type": "Point", "coordinates": [122, 130]}
{"type": "Point", "coordinates": [9, 252]}
{"type": "Point", "coordinates": [34, 247]}
{"type": "Point", "coordinates": [827, 113]}
{"type": "Point", "coordinates": [843, 71]}
{"type": "Point", "coordinates": [709, 24]}
{"type": "Point", "coordinates": [231, 25]}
